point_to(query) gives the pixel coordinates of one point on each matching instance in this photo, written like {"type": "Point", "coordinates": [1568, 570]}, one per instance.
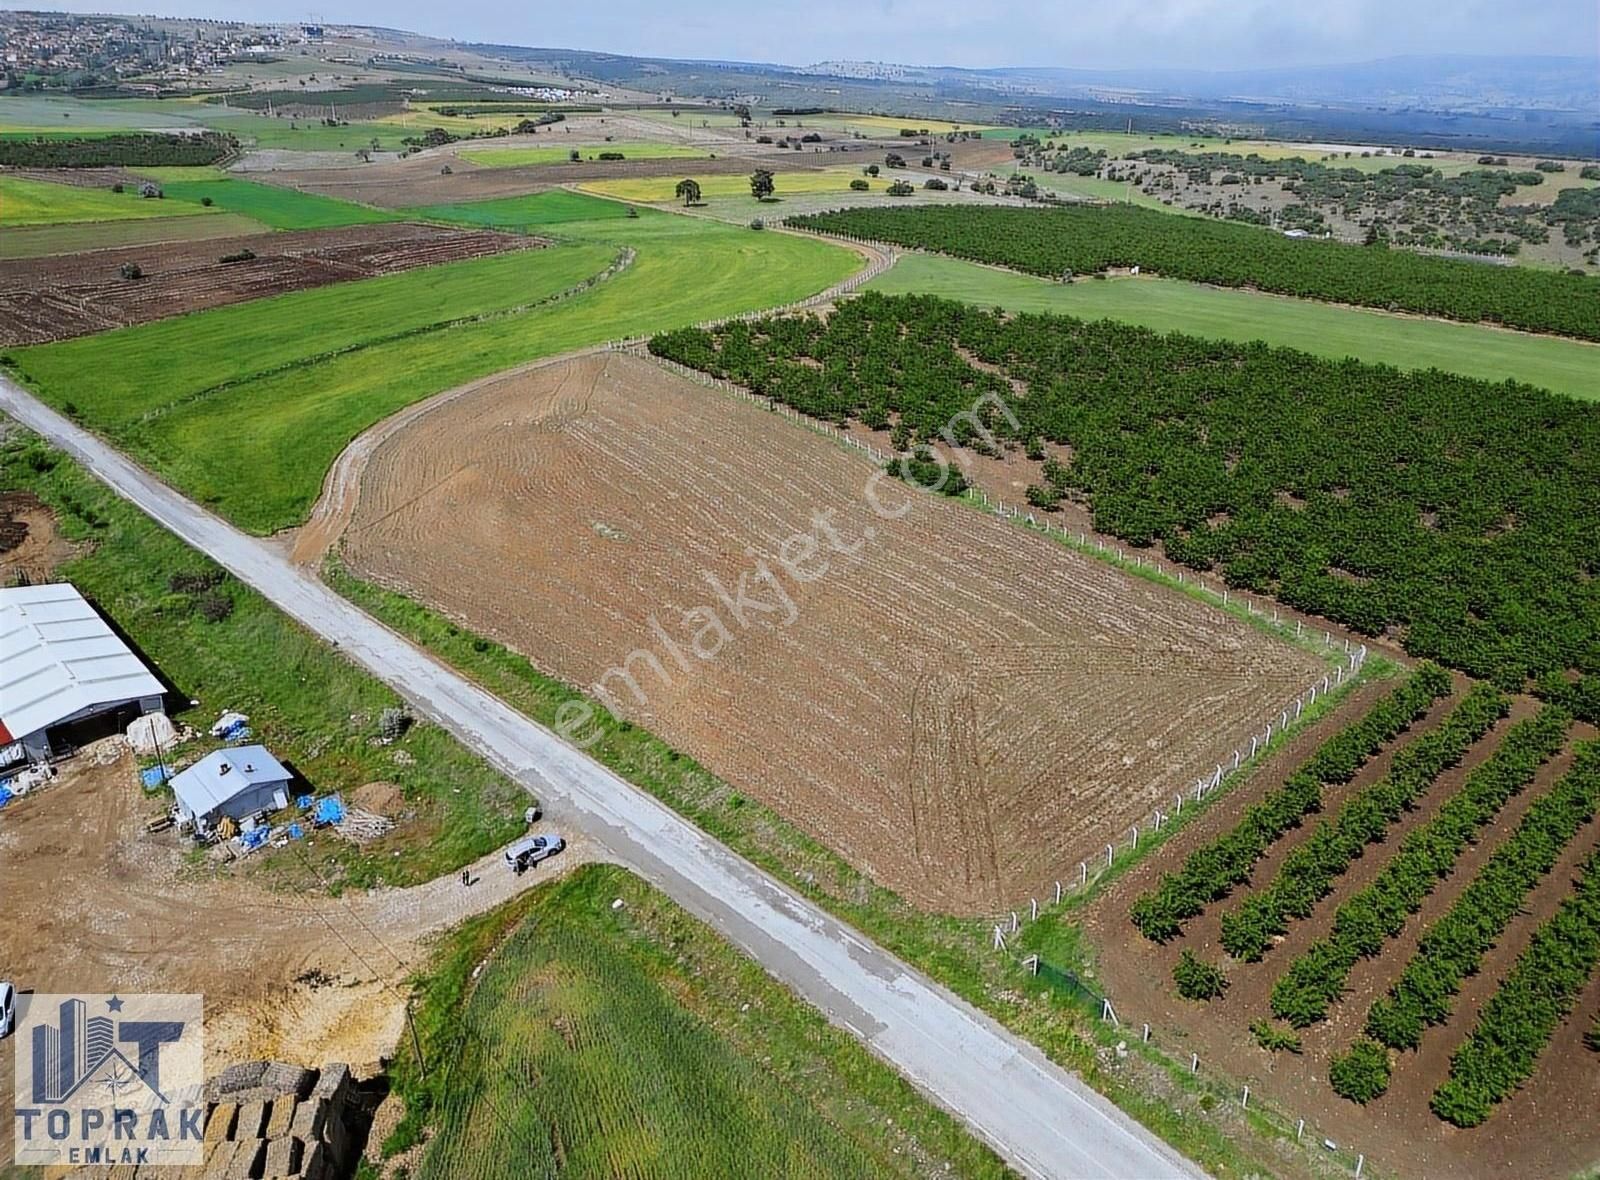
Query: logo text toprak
{"type": "Point", "coordinates": [108, 1080]}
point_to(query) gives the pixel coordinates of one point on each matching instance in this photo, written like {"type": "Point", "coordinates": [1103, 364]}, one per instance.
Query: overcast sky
{"type": "Point", "coordinates": [1211, 34]}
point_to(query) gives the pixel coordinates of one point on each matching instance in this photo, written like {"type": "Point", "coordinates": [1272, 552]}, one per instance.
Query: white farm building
{"type": "Point", "coordinates": [65, 676]}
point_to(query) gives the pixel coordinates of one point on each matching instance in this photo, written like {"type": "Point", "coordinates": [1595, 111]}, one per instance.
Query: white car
{"type": "Point", "coordinates": [8, 1009]}
{"type": "Point", "coordinates": [524, 854]}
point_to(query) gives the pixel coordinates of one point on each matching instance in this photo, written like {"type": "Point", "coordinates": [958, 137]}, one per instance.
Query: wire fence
{"type": "Point", "coordinates": [1067, 986]}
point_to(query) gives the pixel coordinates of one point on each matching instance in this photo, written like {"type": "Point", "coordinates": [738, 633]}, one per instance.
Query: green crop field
{"type": "Point", "coordinates": [289, 381]}
{"type": "Point", "coordinates": [26, 202]}
{"type": "Point", "coordinates": [281, 208]}
{"type": "Point", "coordinates": [490, 157]}
{"type": "Point", "coordinates": [277, 132]}
{"type": "Point", "coordinates": [522, 214]}
{"type": "Point", "coordinates": [1170, 305]}
{"type": "Point", "coordinates": [658, 1052]}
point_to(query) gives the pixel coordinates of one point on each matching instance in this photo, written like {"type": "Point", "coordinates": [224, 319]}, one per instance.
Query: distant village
{"type": "Point", "coordinates": [52, 50]}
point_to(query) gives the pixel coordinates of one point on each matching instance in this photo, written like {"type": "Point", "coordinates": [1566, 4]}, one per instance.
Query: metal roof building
{"type": "Point", "coordinates": [62, 670]}
{"type": "Point", "coordinates": [236, 783]}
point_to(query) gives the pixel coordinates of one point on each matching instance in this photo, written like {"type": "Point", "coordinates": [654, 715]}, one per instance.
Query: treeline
{"type": "Point", "coordinates": [1516, 1024]}
{"type": "Point", "coordinates": [1366, 921]}
{"type": "Point", "coordinates": [1462, 516]}
{"type": "Point", "coordinates": [1308, 874]}
{"type": "Point", "coordinates": [133, 150]}
{"type": "Point", "coordinates": [1211, 872]}
{"type": "Point", "coordinates": [1454, 946]}
{"type": "Point", "coordinates": [1086, 239]}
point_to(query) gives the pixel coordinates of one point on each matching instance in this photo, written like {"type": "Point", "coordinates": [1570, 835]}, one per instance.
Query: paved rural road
{"type": "Point", "coordinates": [1041, 1119]}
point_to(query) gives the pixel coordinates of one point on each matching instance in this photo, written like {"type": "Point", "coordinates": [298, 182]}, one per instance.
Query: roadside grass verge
{"type": "Point", "coordinates": [658, 1046]}
{"type": "Point", "coordinates": [307, 703]}
{"type": "Point", "coordinates": [1322, 329]}
{"type": "Point", "coordinates": [284, 384]}
{"type": "Point", "coordinates": [955, 952]}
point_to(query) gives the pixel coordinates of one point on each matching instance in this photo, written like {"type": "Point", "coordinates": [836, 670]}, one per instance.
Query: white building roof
{"type": "Point", "coordinates": [57, 658]}
{"type": "Point", "coordinates": [223, 774]}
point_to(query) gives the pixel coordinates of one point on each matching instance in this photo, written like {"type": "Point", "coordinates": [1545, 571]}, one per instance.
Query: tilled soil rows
{"type": "Point", "coordinates": [65, 295]}
{"type": "Point", "coordinates": [1540, 1131]}
{"type": "Point", "coordinates": [962, 709]}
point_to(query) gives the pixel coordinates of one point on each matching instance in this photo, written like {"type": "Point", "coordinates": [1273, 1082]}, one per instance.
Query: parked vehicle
{"type": "Point", "coordinates": [524, 854]}
{"type": "Point", "coordinates": [8, 1008]}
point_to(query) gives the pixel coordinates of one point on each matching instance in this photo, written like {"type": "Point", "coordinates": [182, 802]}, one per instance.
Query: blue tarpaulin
{"type": "Point", "coordinates": [255, 839]}
{"type": "Point", "coordinates": [304, 802]}
{"type": "Point", "coordinates": [329, 810]}
{"type": "Point", "coordinates": [5, 793]}
{"type": "Point", "coordinates": [152, 777]}
{"type": "Point", "coordinates": [296, 832]}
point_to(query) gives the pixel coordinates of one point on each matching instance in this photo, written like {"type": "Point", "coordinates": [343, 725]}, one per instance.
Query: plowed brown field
{"type": "Point", "coordinates": [65, 295]}
{"type": "Point", "coordinates": [961, 708]}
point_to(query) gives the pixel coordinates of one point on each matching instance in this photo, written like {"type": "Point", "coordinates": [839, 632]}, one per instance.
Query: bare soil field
{"type": "Point", "coordinates": [65, 295]}
{"type": "Point", "coordinates": [36, 241]}
{"type": "Point", "coordinates": [960, 708]}
{"type": "Point", "coordinates": [1541, 1131]}
{"type": "Point", "coordinates": [403, 184]}
{"type": "Point", "coordinates": [293, 977]}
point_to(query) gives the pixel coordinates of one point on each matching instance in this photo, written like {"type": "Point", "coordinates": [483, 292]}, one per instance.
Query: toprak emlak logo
{"type": "Point", "coordinates": [109, 1080]}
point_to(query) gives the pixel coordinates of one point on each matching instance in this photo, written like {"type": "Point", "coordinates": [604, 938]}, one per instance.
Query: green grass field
{"type": "Point", "coordinates": [313, 707]}
{"type": "Point", "coordinates": [525, 214]}
{"type": "Point", "coordinates": [490, 157]}
{"type": "Point", "coordinates": [26, 202]}
{"type": "Point", "coordinates": [1571, 367]}
{"type": "Point", "coordinates": [658, 1051]}
{"type": "Point", "coordinates": [287, 382]}
{"type": "Point", "coordinates": [302, 135]}
{"type": "Point", "coordinates": [281, 208]}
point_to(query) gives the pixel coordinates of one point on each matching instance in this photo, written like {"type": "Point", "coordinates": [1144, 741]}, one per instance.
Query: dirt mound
{"type": "Point", "coordinates": [31, 546]}
{"type": "Point", "coordinates": [380, 798]}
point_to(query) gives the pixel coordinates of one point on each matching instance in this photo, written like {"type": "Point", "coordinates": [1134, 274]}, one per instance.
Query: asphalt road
{"type": "Point", "coordinates": [1037, 1116]}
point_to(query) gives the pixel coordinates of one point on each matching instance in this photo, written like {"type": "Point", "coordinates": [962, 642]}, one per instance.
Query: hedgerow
{"type": "Point", "coordinates": [1212, 871]}
{"type": "Point", "coordinates": [1308, 873]}
{"type": "Point", "coordinates": [1454, 946]}
{"type": "Point", "coordinates": [1371, 917]}
{"type": "Point", "coordinates": [1462, 517]}
{"type": "Point", "coordinates": [1085, 239]}
{"type": "Point", "coordinates": [1519, 1019]}
{"type": "Point", "coordinates": [133, 150]}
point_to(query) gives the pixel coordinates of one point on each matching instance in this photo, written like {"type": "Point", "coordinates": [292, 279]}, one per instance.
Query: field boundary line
{"type": "Point", "coordinates": [621, 262]}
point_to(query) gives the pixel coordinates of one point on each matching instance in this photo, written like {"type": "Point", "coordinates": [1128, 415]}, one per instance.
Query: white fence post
{"type": "Point", "coordinates": [1244, 1102]}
